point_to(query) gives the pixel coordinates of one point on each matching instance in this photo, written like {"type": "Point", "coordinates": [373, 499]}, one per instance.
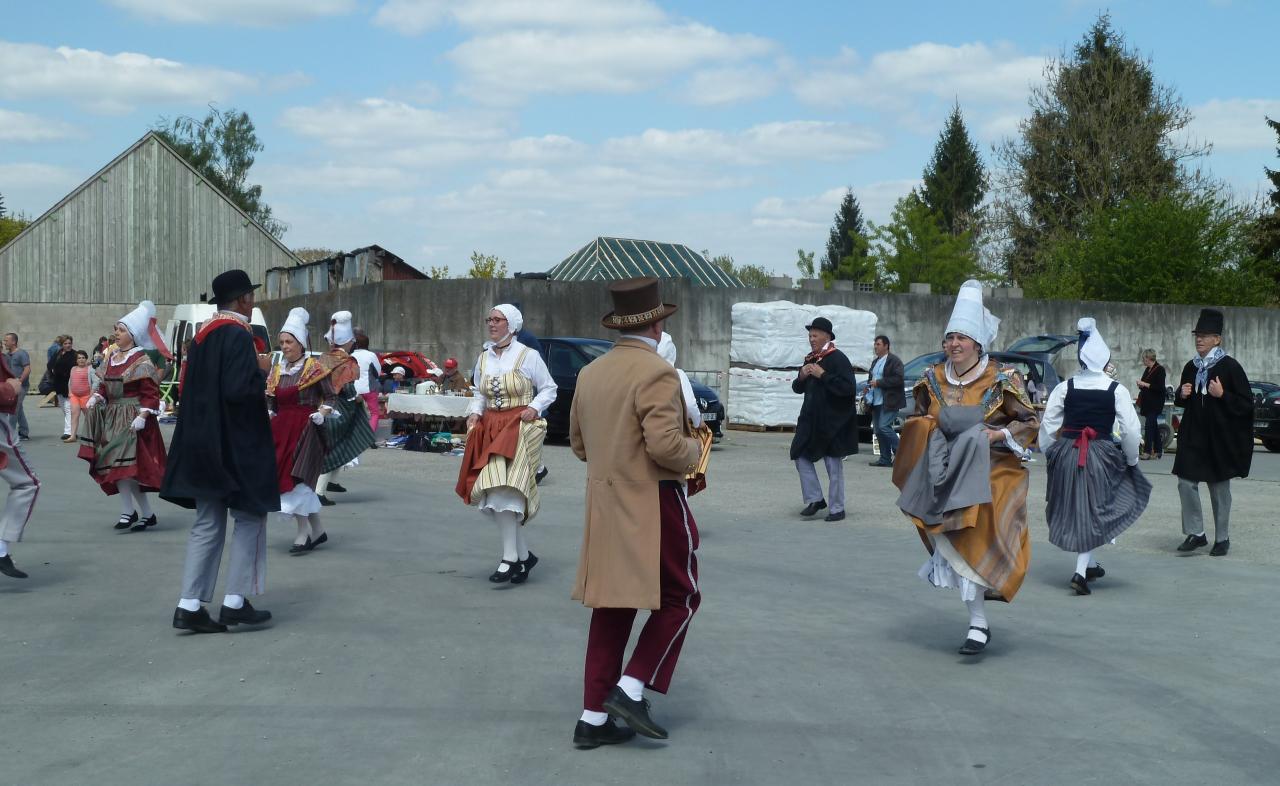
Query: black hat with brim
{"type": "Point", "coordinates": [1210, 322]}
{"type": "Point", "coordinates": [230, 285]}
{"type": "Point", "coordinates": [823, 324]}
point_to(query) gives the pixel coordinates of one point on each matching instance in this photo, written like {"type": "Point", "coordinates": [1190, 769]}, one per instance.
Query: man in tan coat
{"type": "Point", "coordinates": [628, 424]}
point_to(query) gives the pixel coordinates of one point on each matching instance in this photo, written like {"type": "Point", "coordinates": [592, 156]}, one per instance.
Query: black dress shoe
{"type": "Point", "coordinates": [499, 576]}
{"type": "Point", "coordinates": [1193, 542]}
{"type": "Point", "coordinates": [335, 487]}
{"type": "Point", "coordinates": [813, 507]}
{"type": "Point", "coordinates": [198, 621]}
{"type": "Point", "coordinates": [538, 477]}
{"type": "Point", "coordinates": [326, 502]}
{"type": "Point", "coordinates": [300, 548]}
{"type": "Point", "coordinates": [320, 541]}
{"type": "Point", "coordinates": [149, 521]}
{"type": "Point", "coordinates": [880, 464]}
{"type": "Point", "coordinates": [635, 713]}
{"type": "Point", "coordinates": [834, 516]}
{"type": "Point", "coordinates": [1096, 572]}
{"type": "Point", "coordinates": [608, 733]}
{"type": "Point", "coordinates": [246, 614]}
{"type": "Point", "coordinates": [1220, 548]}
{"type": "Point", "coordinates": [126, 522]}
{"type": "Point", "coordinates": [972, 646]}
{"type": "Point", "coordinates": [526, 565]}
{"type": "Point", "coordinates": [9, 569]}
{"type": "Point", "coordinates": [1080, 584]}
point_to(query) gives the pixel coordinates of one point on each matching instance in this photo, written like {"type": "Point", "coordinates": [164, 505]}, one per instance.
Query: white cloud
{"type": "Point", "coordinates": [19, 127]}
{"type": "Point", "coordinates": [731, 85]}
{"type": "Point", "coordinates": [382, 124]}
{"type": "Point", "coordinates": [110, 83]}
{"type": "Point", "coordinates": [816, 213]}
{"type": "Point", "coordinates": [761, 144]}
{"type": "Point", "coordinates": [245, 13]}
{"type": "Point", "coordinates": [970, 73]}
{"type": "Point", "coordinates": [31, 188]}
{"type": "Point", "coordinates": [1235, 124]}
{"type": "Point", "coordinates": [331, 176]}
{"type": "Point", "coordinates": [412, 17]}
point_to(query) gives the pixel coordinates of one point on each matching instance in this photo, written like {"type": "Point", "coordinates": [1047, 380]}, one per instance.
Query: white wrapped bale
{"type": "Point", "coordinates": [772, 335]}
{"type": "Point", "coordinates": [763, 398]}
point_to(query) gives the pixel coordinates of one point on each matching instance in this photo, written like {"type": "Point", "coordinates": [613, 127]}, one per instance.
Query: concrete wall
{"type": "Point", "coordinates": [37, 323]}
{"type": "Point", "coordinates": [444, 318]}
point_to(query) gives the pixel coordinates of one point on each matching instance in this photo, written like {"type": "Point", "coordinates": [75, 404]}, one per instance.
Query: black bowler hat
{"type": "Point", "coordinates": [230, 285]}
{"type": "Point", "coordinates": [823, 324]}
{"type": "Point", "coordinates": [1210, 322]}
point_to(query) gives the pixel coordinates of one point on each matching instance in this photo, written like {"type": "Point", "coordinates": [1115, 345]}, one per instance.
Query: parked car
{"type": "Point", "coordinates": [1034, 368]}
{"type": "Point", "coordinates": [1266, 420]}
{"type": "Point", "coordinates": [1050, 343]}
{"type": "Point", "coordinates": [565, 357]}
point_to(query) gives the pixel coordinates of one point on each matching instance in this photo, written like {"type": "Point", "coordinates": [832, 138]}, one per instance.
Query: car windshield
{"type": "Point", "coordinates": [593, 350]}
{"type": "Point", "coordinates": [1039, 344]}
{"type": "Point", "coordinates": [915, 369]}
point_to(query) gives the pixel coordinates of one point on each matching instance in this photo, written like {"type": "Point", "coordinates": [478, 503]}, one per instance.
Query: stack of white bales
{"type": "Point", "coordinates": [768, 345]}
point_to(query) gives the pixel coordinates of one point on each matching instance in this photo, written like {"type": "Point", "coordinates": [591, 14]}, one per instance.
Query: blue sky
{"type": "Point", "coordinates": [524, 129]}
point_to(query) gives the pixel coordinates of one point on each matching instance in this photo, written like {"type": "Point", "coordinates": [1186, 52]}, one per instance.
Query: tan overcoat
{"type": "Point", "coordinates": [627, 422]}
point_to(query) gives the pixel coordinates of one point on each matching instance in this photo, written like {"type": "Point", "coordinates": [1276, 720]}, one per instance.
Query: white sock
{"type": "Point", "coordinates": [313, 521]}
{"type": "Point", "coordinates": [189, 604]}
{"type": "Point", "coordinates": [594, 718]}
{"type": "Point", "coordinates": [1201, 535]}
{"type": "Point", "coordinates": [143, 505]}
{"type": "Point", "coordinates": [631, 686]}
{"type": "Point", "coordinates": [522, 545]}
{"type": "Point", "coordinates": [303, 526]}
{"type": "Point", "coordinates": [125, 488]}
{"type": "Point", "coordinates": [233, 601]}
{"type": "Point", "coordinates": [1082, 562]}
{"type": "Point", "coordinates": [4, 548]}
{"type": "Point", "coordinates": [509, 527]}
{"type": "Point", "coordinates": [977, 618]}
{"type": "Point", "coordinates": [322, 482]}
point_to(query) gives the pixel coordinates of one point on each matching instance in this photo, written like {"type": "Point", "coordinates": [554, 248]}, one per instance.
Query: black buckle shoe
{"type": "Point", "coordinates": [538, 477]}
{"type": "Point", "coordinates": [9, 569]}
{"type": "Point", "coordinates": [326, 502]}
{"type": "Point", "coordinates": [1080, 584]}
{"type": "Point", "coordinates": [246, 615]}
{"type": "Point", "coordinates": [499, 576]}
{"type": "Point", "coordinates": [198, 621]}
{"type": "Point", "coordinates": [586, 736]}
{"type": "Point", "coordinates": [1220, 548]}
{"type": "Point", "coordinates": [526, 566]}
{"type": "Point", "coordinates": [301, 548]}
{"type": "Point", "coordinates": [338, 487]}
{"type": "Point", "coordinates": [1193, 542]}
{"type": "Point", "coordinates": [813, 507]}
{"type": "Point", "coordinates": [149, 521]}
{"type": "Point", "coordinates": [126, 522]}
{"type": "Point", "coordinates": [972, 646]}
{"type": "Point", "coordinates": [635, 713]}
{"type": "Point", "coordinates": [1096, 572]}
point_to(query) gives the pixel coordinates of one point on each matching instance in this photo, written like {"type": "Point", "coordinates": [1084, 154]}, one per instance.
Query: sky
{"type": "Point", "coordinates": [435, 128]}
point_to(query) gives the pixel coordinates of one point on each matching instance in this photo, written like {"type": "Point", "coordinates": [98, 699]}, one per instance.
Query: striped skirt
{"type": "Point", "coordinates": [347, 435]}
{"type": "Point", "coordinates": [1091, 505]}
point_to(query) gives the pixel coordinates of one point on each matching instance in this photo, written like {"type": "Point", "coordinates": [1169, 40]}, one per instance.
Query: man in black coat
{"type": "Point", "coordinates": [1215, 441]}
{"type": "Point", "coordinates": [827, 428]}
{"type": "Point", "coordinates": [222, 459]}
{"type": "Point", "coordinates": [885, 397]}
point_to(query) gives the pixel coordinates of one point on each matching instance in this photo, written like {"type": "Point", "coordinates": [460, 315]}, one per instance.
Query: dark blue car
{"type": "Point", "coordinates": [565, 357]}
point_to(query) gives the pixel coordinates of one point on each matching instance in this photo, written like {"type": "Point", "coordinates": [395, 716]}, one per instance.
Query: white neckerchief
{"type": "Point", "coordinates": [119, 357]}
{"type": "Point", "coordinates": [292, 368]}
{"type": "Point", "coordinates": [950, 372]}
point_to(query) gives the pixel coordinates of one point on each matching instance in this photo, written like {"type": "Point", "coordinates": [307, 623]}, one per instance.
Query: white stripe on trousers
{"type": "Point", "coordinates": [688, 599]}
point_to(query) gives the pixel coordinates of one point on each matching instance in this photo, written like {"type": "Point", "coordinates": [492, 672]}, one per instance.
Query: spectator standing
{"type": "Point", "coordinates": [20, 366]}
{"type": "Point", "coordinates": [827, 429]}
{"type": "Point", "coordinates": [60, 374]}
{"type": "Point", "coordinates": [83, 382]}
{"type": "Point", "coordinates": [1151, 397]}
{"type": "Point", "coordinates": [1215, 441]}
{"type": "Point", "coordinates": [367, 383]}
{"type": "Point", "coordinates": [886, 397]}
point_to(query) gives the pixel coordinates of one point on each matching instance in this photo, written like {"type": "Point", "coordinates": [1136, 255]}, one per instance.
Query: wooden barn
{"type": "Point", "coordinates": [147, 226]}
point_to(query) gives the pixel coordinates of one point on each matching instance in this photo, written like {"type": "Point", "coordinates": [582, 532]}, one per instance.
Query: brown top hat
{"type": "Point", "coordinates": [637, 302]}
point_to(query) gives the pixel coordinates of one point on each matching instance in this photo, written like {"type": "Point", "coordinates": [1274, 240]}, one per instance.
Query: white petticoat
{"type": "Point", "coordinates": [502, 498]}
{"type": "Point", "coordinates": [945, 568]}
{"type": "Point", "coordinates": [301, 500]}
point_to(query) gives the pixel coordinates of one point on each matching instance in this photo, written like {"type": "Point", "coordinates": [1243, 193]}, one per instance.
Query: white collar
{"type": "Point", "coordinates": [292, 368]}
{"type": "Point", "coordinates": [120, 357]}
{"type": "Point", "coordinates": [235, 314]}
{"type": "Point", "coordinates": [651, 342]}
{"type": "Point", "coordinates": [981, 367]}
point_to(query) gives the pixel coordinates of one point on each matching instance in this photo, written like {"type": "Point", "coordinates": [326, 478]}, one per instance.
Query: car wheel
{"type": "Point", "coordinates": [1272, 445]}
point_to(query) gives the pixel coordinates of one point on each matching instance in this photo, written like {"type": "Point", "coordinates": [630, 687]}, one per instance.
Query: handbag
{"type": "Point", "coordinates": [46, 383]}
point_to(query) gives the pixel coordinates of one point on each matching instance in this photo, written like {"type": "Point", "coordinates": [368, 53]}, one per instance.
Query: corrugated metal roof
{"type": "Point", "coordinates": [613, 258]}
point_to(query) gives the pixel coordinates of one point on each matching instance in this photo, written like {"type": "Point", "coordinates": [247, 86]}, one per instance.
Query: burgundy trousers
{"type": "Point", "coordinates": [654, 659]}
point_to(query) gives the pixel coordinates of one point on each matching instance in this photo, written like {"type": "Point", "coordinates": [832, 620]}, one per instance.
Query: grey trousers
{"type": "Point", "coordinates": [811, 487]}
{"type": "Point", "coordinates": [1193, 514]}
{"type": "Point", "coordinates": [247, 574]}
{"type": "Point", "coordinates": [24, 486]}
{"type": "Point", "coordinates": [19, 417]}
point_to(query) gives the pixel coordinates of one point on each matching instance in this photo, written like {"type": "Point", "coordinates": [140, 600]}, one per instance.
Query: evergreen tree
{"type": "Point", "coordinates": [955, 181]}
{"type": "Point", "coordinates": [847, 244]}
{"type": "Point", "coordinates": [1266, 242]}
{"type": "Point", "coordinates": [1, 205]}
{"type": "Point", "coordinates": [1101, 131]}
{"type": "Point", "coordinates": [914, 247]}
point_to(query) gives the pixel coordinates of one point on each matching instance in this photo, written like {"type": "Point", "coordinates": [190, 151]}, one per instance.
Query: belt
{"type": "Point", "coordinates": [1083, 437]}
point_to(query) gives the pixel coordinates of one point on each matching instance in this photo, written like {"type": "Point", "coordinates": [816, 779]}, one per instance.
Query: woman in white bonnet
{"type": "Point", "coordinates": [667, 351]}
{"type": "Point", "coordinates": [505, 432]}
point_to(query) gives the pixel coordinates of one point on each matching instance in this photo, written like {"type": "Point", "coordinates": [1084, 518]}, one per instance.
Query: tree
{"type": "Point", "coordinates": [804, 263]}
{"type": "Point", "coordinates": [1187, 247]}
{"type": "Point", "coordinates": [955, 181]}
{"type": "Point", "coordinates": [1101, 131]}
{"type": "Point", "coordinates": [12, 226]}
{"type": "Point", "coordinates": [221, 147]}
{"type": "Point", "coordinates": [311, 254]}
{"type": "Point", "coordinates": [485, 266]}
{"type": "Point", "coordinates": [915, 247]}
{"type": "Point", "coordinates": [750, 275]}
{"type": "Point", "coordinates": [1266, 233]}
{"type": "Point", "coordinates": [847, 243]}
{"type": "Point", "coordinates": [438, 273]}
{"type": "Point", "coordinates": [1, 205]}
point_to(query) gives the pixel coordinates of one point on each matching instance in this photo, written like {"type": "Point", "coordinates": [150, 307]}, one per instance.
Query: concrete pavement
{"type": "Point", "coordinates": [818, 656]}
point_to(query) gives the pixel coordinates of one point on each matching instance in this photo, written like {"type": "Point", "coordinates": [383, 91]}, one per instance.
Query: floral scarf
{"type": "Point", "coordinates": [827, 349]}
{"type": "Point", "coordinates": [1203, 364]}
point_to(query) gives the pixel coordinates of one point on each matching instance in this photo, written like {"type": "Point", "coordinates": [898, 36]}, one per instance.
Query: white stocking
{"type": "Point", "coordinates": [1082, 562]}
{"type": "Point", "coordinates": [301, 538]}
{"type": "Point", "coordinates": [316, 529]}
{"type": "Point", "coordinates": [126, 489]}
{"type": "Point", "coordinates": [522, 544]}
{"type": "Point", "coordinates": [141, 503]}
{"type": "Point", "coordinates": [509, 527]}
{"type": "Point", "coordinates": [977, 618]}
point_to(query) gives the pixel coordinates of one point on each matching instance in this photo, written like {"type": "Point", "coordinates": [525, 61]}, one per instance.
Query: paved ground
{"type": "Point", "coordinates": [817, 656]}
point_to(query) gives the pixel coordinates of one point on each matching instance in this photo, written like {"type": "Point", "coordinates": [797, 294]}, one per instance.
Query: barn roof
{"type": "Point", "coordinates": [613, 258]}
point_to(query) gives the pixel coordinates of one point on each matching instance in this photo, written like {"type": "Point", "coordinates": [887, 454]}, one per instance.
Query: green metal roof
{"type": "Point", "coordinates": [614, 258]}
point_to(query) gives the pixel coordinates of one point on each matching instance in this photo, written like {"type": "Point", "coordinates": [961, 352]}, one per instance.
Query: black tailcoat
{"type": "Point", "coordinates": [828, 422]}
{"type": "Point", "coordinates": [222, 447]}
{"type": "Point", "coordinates": [1215, 440]}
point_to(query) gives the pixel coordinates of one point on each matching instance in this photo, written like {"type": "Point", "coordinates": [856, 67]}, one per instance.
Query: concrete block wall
{"type": "Point", "coordinates": [37, 323]}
